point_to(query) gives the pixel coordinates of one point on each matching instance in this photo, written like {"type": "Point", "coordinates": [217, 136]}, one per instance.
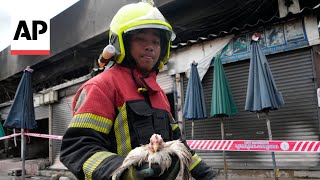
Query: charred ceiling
{"type": "Point", "coordinates": [46, 75]}
{"type": "Point", "coordinates": [73, 63]}
{"type": "Point", "coordinates": [193, 19]}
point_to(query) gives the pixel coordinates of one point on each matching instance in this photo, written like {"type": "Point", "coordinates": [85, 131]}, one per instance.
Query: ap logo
{"type": "Point", "coordinates": [31, 36]}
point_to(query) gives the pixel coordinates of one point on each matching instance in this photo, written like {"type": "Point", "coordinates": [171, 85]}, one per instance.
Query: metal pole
{"type": "Point", "coordinates": [15, 138]}
{"type": "Point", "coordinates": [223, 152]}
{"type": "Point", "coordinates": [272, 153]}
{"type": "Point", "coordinates": [50, 132]}
{"type": "Point", "coordinates": [192, 130]}
{"type": "Point", "coordinates": [23, 154]}
{"type": "Point", "coordinates": [180, 98]}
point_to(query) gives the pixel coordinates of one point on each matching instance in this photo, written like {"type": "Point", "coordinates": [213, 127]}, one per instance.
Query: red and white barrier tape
{"type": "Point", "coordinates": [9, 136]}
{"type": "Point", "coordinates": [255, 145]}
{"type": "Point", "coordinates": [32, 134]}
{"type": "Point", "coordinates": [228, 145]}
{"type": "Point", "coordinates": [44, 136]}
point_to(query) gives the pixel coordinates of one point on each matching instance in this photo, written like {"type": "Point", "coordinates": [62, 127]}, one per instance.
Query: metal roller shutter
{"type": "Point", "coordinates": [61, 117]}
{"type": "Point", "coordinates": [41, 112]}
{"type": "Point", "coordinates": [296, 120]}
{"type": "Point", "coordinates": [165, 81]}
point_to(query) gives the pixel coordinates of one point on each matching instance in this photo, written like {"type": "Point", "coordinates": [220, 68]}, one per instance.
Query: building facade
{"type": "Point", "coordinates": [290, 41]}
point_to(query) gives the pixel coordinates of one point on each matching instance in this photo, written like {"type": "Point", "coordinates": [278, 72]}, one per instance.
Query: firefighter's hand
{"type": "Point", "coordinates": [145, 172]}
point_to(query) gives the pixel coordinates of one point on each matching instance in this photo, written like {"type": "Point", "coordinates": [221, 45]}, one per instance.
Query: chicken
{"type": "Point", "coordinates": [158, 151]}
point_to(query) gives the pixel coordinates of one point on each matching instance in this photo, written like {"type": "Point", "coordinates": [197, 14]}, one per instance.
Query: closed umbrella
{"type": "Point", "coordinates": [222, 102]}
{"type": "Point", "coordinates": [21, 114]}
{"type": "Point", "coordinates": [262, 93]}
{"type": "Point", "coordinates": [194, 106]}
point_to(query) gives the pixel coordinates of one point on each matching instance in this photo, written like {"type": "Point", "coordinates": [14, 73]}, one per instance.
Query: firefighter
{"type": "Point", "coordinates": [120, 108]}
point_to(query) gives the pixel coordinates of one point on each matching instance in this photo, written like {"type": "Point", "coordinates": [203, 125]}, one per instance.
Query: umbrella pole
{"type": "Point", "coordinates": [23, 154]}
{"type": "Point", "coordinates": [14, 138]}
{"type": "Point", "coordinates": [272, 153]}
{"type": "Point", "coordinates": [223, 152]}
{"type": "Point", "coordinates": [192, 130]}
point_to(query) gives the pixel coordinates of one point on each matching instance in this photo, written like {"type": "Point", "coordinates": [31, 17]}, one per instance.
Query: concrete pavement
{"type": "Point", "coordinates": [38, 170]}
{"type": "Point", "coordinates": [5, 176]}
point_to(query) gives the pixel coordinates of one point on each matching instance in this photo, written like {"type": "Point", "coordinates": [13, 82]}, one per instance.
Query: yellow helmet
{"type": "Point", "coordinates": [138, 16]}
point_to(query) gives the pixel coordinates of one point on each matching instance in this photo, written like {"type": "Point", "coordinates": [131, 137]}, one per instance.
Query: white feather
{"type": "Point", "coordinates": [136, 157]}
{"type": "Point", "coordinates": [143, 154]}
{"type": "Point", "coordinates": [177, 148]}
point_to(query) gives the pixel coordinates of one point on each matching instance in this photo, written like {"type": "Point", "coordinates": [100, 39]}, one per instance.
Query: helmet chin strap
{"type": "Point", "coordinates": [156, 67]}
{"type": "Point", "coordinates": [141, 87]}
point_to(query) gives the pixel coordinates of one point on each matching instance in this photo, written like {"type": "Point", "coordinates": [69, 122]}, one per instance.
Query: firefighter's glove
{"type": "Point", "coordinates": [145, 172]}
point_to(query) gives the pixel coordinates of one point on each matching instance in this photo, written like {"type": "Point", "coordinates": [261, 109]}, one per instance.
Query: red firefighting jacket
{"type": "Point", "coordinates": [110, 118]}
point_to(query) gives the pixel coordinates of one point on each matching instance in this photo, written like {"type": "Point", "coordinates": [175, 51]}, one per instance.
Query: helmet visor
{"type": "Point", "coordinates": [171, 35]}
